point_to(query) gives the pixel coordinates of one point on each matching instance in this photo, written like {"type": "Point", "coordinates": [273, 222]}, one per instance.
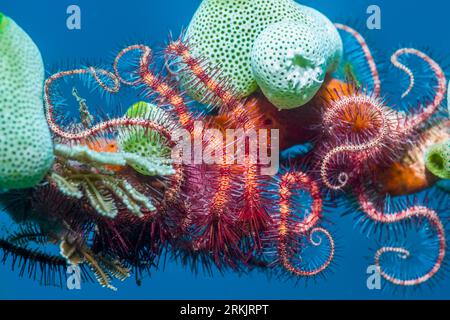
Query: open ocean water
{"type": "Point", "coordinates": [110, 25]}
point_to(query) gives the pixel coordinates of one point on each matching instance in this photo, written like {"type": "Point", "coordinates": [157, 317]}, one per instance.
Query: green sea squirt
{"type": "Point", "coordinates": [265, 44]}
{"type": "Point", "coordinates": [26, 150]}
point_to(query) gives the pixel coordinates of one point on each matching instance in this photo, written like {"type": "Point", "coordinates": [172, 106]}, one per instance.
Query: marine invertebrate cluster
{"type": "Point", "coordinates": [362, 134]}
{"type": "Point", "coordinates": [115, 199]}
{"type": "Point", "coordinates": [135, 192]}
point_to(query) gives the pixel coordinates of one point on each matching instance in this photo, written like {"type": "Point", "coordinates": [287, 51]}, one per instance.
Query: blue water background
{"type": "Point", "coordinates": [109, 25]}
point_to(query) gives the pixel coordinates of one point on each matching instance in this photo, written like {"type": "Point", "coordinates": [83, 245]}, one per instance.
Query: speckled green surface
{"type": "Point", "coordinates": [26, 151]}
{"type": "Point", "coordinates": [288, 63]}
{"type": "Point", "coordinates": [145, 143]}
{"type": "Point", "coordinates": [225, 31]}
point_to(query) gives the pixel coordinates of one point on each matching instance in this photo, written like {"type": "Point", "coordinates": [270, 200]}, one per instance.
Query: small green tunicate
{"type": "Point", "coordinates": [437, 160]}
{"type": "Point", "coordinates": [146, 143]}
{"type": "Point", "coordinates": [289, 64]}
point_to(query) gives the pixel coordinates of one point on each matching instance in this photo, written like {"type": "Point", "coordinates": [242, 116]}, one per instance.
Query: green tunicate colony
{"type": "Point", "coordinates": [148, 144]}
{"type": "Point", "coordinates": [289, 75]}
{"type": "Point", "coordinates": [437, 160]}
{"type": "Point", "coordinates": [26, 150]}
{"type": "Point", "coordinates": [277, 45]}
